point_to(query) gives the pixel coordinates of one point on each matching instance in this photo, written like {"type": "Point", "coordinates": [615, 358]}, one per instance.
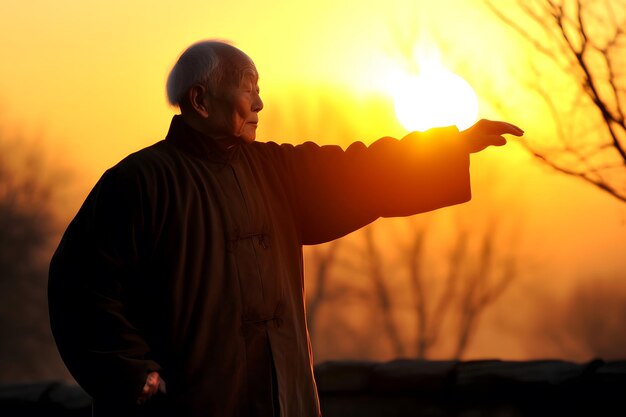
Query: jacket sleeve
{"type": "Point", "coordinates": [88, 288]}
{"type": "Point", "coordinates": [337, 191]}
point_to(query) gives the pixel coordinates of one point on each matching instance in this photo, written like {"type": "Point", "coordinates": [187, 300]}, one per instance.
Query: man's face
{"type": "Point", "coordinates": [235, 112]}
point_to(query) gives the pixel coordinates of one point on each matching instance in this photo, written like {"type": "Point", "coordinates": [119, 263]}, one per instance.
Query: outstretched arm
{"type": "Point", "coordinates": [339, 191]}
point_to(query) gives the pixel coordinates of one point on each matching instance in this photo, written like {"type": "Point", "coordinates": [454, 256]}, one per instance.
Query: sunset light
{"type": "Point", "coordinates": [435, 97]}
{"type": "Point", "coordinates": [523, 259]}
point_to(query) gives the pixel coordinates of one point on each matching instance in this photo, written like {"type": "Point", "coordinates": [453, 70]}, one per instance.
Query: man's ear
{"type": "Point", "coordinates": [198, 101]}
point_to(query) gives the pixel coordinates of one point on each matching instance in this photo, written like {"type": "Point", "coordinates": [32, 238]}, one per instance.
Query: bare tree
{"type": "Point", "coordinates": [583, 44]}
{"type": "Point", "coordinates": [430, 320]}
{"type": "Point", "coordinates": [483, 281]}
{"type": "Point", "coordinates": [377, 274]}
{"type": "Point", "coordinates": [426, 334]}
{"type": "Point", "coordinates": [473, 281]}
{"type": "Point", "coordinates": [322, 260]}
{"type": "Point", "coordinates": [471, 284]}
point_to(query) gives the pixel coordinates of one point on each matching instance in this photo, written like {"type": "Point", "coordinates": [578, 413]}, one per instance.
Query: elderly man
{"type": "Point", "coordinates": [178, 288]}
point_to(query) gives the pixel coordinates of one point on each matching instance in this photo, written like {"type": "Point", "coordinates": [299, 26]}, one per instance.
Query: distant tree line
{"type": "Point", "coordinates": [28, 228]}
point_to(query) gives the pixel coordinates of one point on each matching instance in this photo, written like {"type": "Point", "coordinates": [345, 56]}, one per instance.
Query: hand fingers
{"type": "Point", "coordinates": [487, 140]}
{"type": "Point", "coordinates": [494, 140]}
{"type": "Point", "coordinates": [152, 384]}
{"type": "Point", "coordinates": [146, 393]}
{"type": "Point", "coordinates": [153, 379]}
{"type": "Point", "coordinates": [513, 130]}
{"type": "Point", "coordinates": [491, 127]}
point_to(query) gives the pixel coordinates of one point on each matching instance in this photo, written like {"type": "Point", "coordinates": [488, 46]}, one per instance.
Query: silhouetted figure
{"type": "Point", "coordinates": [184, 265]}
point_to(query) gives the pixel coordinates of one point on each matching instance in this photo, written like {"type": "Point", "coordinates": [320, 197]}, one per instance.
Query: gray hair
{"type": "Point", "coordinates": [209, 62]}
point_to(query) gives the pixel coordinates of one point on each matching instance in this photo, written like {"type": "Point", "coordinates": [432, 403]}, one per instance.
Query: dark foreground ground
{"type": "Point", "coordinates": [410, 388]}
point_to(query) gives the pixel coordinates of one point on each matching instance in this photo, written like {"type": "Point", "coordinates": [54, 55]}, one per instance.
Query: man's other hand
{"type": "Point", "coordinates": [154, 384]}
{"type": "Point", "coordinates": [488, 133]}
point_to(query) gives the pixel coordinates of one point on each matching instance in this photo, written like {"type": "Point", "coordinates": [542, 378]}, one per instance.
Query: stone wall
{"type": "Point", "coordinates": [410, 388]}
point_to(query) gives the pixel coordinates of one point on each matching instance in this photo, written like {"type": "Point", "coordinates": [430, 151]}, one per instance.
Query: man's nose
{"type": "Point", "coordinates": [257, 106]}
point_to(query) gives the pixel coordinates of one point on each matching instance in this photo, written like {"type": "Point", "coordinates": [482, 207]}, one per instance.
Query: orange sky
{"type": "Point", "coordinates": [89, 77]}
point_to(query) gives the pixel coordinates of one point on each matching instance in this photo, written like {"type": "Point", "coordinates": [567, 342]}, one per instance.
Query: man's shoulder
{"type": "Point", "coordinates": [268, 149]}
{"type": "Point", "coordinates": [286, 149]}
{"type": "Point", "coordinates": [148, 158]}
{"type": "Point", "coordinates": [268, 146]}
{"type": "Point", "coordinates": [282, 155]}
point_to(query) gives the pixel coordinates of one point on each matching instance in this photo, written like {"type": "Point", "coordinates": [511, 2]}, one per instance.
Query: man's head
{"type": "Point", "coordinates": [216, 87]}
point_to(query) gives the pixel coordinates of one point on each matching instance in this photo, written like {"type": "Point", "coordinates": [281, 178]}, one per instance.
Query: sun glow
{"type": "Point", "coordinates": [434, 97]}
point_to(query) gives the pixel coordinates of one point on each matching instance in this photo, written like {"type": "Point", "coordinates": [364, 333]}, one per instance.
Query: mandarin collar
{"type": "Point", "coordinates": [197, 144]}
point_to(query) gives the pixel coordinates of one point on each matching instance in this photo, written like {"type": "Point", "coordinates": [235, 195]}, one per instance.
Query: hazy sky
{"type": "Point", "coordinates": [90, 75]}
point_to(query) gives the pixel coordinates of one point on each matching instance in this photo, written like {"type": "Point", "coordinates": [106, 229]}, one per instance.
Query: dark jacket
{"type": "Point", "coordinates": [187, 260]}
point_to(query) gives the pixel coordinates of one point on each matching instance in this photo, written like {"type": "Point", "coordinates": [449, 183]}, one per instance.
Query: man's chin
{"type": "Point", "coordinates": [248, 138]}
{"type": "Point", "coordinates": [248, 135]}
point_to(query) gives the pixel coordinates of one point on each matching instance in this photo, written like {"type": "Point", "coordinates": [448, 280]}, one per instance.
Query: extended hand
{"type": "Point", "coordinates": [488, 132]}
{"type": "Point", "coordinates": [153, 385]}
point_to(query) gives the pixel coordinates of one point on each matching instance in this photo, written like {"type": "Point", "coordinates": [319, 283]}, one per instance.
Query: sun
{"type": "Point", "coordinates": [435, 97]}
